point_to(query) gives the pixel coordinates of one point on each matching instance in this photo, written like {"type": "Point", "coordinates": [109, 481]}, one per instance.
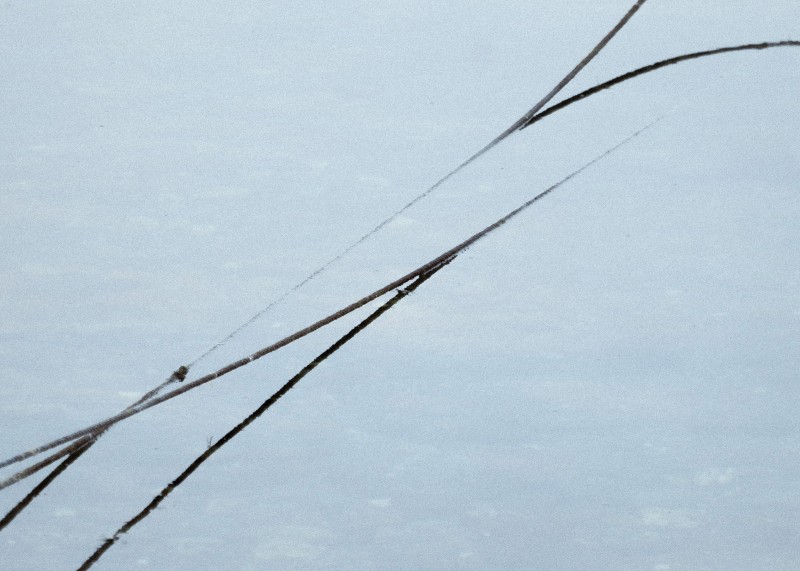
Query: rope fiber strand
{"type": "Point", "coordinates": [653, 67]}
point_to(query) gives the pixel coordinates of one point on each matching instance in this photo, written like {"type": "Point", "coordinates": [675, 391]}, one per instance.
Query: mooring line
{"type": "Point", "coordinates": [653, 67]}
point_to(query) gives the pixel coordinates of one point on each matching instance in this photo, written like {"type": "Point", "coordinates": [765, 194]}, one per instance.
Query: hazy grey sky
{"type": "Point", "coordinates": [610, 382]}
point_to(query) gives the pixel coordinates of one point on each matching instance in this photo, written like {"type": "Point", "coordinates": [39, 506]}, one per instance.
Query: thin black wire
{"type": "Point", "coordinates": [197, 462]}
{"type": "Point", "coordinates": [181, 372]}
{"type": "Point", "coordinates": [78, 448]}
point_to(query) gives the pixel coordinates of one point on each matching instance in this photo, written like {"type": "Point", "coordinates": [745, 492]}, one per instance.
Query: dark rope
{"type": "Point", "coordinates": [653, 67]}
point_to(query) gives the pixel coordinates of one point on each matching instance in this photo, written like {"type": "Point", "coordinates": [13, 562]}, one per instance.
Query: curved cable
{"type": "Point", "coordinates": [653, 67]}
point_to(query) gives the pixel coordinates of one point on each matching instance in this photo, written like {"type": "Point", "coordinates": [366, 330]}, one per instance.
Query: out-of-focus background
{"type": "Point", "coordinates": [609, 382]}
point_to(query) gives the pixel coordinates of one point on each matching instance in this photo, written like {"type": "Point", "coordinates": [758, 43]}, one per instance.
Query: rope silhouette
{"type": "Point", "coordinates": [653, 67]}
{"type": "Point", "coordinates": [84, 442]}
{"type": "Point", "coordinates": [180, 374]}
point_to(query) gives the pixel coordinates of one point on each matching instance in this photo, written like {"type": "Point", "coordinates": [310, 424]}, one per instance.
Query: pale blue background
{"type": "Point", "coordinates": [610, 382]}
